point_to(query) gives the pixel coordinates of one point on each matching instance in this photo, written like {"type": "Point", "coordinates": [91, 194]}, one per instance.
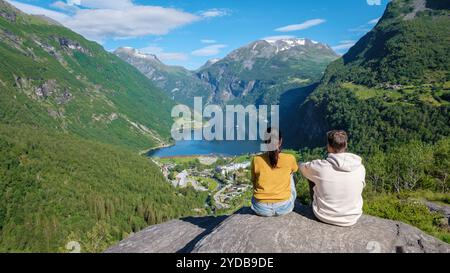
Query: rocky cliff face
{"type": "Point", "coordinates": [298, 232]}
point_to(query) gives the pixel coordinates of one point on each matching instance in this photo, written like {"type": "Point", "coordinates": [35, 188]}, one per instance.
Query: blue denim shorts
{"type": "Point", "coordinates": [276, 209]}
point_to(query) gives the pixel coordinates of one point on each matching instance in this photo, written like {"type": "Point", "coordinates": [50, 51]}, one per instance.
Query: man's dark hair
{"type": "Point", "coordinates": [338, 140]}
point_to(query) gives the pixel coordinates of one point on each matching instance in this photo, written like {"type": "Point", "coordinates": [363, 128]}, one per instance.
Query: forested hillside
{"type": "Point", "coordinates": [56, 188]}
{"type": "Point", "coordinates": [54, 78]}
{"type": "Point", "coordinates": [391, 87]}
{"type": "Point", "coordinates": [391, 92]}
{"type": "Point", "coordinates": [72, 120]}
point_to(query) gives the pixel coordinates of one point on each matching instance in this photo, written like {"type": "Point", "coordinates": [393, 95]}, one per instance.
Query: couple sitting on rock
{"type": "Point", "coordinates": [336, 183]}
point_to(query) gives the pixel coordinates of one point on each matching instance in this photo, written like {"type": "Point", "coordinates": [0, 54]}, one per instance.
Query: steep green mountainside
{"type": "Point", "coordinates": [179, 83]}
{"type": "Point", "coordinates": [409, 46]}
{"type": "Point", "coordinates": [72, 118]}
{"type": "Point", "coordinates": [260, 72]}
{"type": "Point", "coordinates": [57, 188]}
{"type": "Point", "coordinates": [52, 77]}
{"type": "Point", "coordinates": [392, 86]}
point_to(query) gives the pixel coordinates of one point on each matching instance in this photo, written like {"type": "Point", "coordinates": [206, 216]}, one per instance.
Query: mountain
{"type": "Point", "coordinates": [392, 86]}
{"type": "Point", "coordinates": [72, 120]}
{"type": "Point", "coordinates": [260, 71]}
{"type": "Point", "coordinates": [256, 73]}
{"type": "Point", "coordinates": [54, 78]}
{"type": "Point", "coordinates": [302, 233]}
{"type": "Point", "coordinates": [179, 83]}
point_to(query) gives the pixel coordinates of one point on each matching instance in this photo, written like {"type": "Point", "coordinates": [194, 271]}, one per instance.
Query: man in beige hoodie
{"type": "Point", "coordinates": [336, 183]}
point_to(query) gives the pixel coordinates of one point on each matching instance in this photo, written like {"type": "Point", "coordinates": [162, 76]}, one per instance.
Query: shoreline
{"type": "Point", "coordinates": [144, 152]}
{"type": "Point", "coordinates": [206, 155]}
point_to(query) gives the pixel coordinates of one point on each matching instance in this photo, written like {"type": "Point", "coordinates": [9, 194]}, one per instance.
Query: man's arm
{"type": "Point", "coordinates": [308, 170]}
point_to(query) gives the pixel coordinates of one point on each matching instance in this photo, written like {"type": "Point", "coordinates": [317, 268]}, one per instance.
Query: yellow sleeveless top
{"type": "Point", "coordinates": [272, 185]}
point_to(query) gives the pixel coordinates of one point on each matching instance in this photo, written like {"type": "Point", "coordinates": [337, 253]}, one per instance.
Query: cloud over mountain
{"type": "Point", "coordinates": [208, 51]}
{"type": "Point", "coordinates": [301, 26]}
{"type": "Point", "coordinates": [117, 19]}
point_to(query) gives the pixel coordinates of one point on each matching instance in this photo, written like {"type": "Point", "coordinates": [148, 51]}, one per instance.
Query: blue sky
{"type": "Point", "coordinates": [188, 33]}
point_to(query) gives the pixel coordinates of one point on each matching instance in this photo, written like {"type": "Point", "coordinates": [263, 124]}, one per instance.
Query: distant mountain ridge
{"type": "Point", "coordinates": [178, 83]}
{"type": "Point", "coordinates": [254, 74]}
{"type": "Point", "coordinates": [259, 72]}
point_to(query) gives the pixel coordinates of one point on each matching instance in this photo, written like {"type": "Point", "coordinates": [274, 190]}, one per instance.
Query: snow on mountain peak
{"type": "Point", "coordinates": [137, 54]}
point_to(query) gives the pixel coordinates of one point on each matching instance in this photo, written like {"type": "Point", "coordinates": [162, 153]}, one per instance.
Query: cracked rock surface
{"type": "Point", "coordinates": [298, 232]}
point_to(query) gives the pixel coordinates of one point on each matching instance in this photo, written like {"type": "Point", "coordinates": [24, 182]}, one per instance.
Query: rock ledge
{"type": "Point", "coordinates": [298, 232]}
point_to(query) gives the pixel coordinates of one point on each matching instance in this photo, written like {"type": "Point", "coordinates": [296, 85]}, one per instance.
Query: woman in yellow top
{"type": "Point", "coordinates": [274, 190]}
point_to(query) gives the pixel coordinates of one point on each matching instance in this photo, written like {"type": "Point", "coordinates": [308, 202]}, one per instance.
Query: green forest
{"type": "Point", "coordinates": [73, 118]}
{"type": "Point", "coordinates": [56, 188]}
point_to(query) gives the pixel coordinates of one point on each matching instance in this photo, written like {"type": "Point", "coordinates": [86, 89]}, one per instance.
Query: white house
{"type": "Point", "coordinates": [181, 180]}
{"type": "Point", "coordinates": [234, 167]}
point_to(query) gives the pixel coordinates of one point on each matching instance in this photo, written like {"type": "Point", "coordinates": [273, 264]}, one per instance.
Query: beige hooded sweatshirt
{"type": "Point", "coordinates": [340, 180]}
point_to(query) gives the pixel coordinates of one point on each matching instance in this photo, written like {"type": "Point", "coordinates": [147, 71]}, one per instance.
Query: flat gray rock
{"type": "Point", "coordinates": [171, 237]}
{"type": "Point", "coordinates": [298, 232]}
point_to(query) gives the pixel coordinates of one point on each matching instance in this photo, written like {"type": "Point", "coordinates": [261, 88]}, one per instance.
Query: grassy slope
{"type": "Point", "coordinates": [69, 169]}
{"type": "Point", "coordinates": [100, 83]}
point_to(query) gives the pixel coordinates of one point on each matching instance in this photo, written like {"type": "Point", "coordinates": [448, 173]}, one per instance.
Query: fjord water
{"type": "Point", "coordinates": [203, 147]}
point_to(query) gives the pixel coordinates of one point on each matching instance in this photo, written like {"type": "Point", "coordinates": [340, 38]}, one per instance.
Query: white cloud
{"type": "Point", "coordinates": [207, 41]}
{"type": "Point", "coordinates": [113, 19]}
{"type": "Point", "coordinates": [301, 26]}
{"type": "Point", "coordinates": [128, 23]}
{"type": "Point", "coordinates": [365, 27]}
{"type": "Point", "coordinates": [373, 2]}
{"type": "Point", "coordinates": [279, 37]}
{"type": "Point", "coordinates": [30, 9]}
{"type": "Point", "coordinates": [347, 41]}
{"type": "Point", "coordinates": [343, 45]}
{"type": "Point", "coordinates": [374, 21]}
{"type": "Point", "coordinates": [360, 29]}
{"type": "Point", "coordinates": [63, 6]}
{"type": "Point", "coordinates": [102, 4]}
{"type": "Point", "coordinates": [208, 51]}
{"type": "Point", "coordinates": [211, 13]}
{"type": "Point", "coordinates": [165, 56]}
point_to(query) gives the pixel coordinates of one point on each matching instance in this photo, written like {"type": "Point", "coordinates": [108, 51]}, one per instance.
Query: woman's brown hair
{"type": "Point", "coordinates": [274, 154]}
